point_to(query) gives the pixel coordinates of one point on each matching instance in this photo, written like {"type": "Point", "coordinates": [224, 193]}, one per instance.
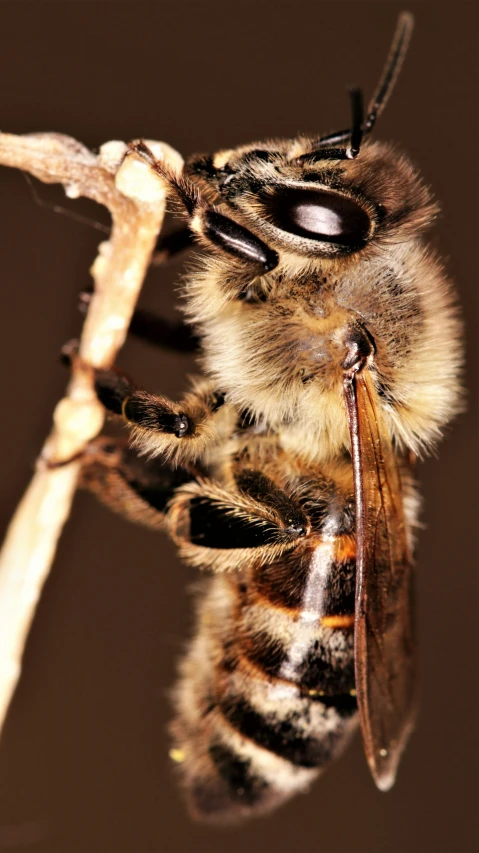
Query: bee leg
{"type": "Point", "coordinates": [213, 527]}
{"type": "Point", "coordinates": [161, 332]}
{"type": "Point", "coordinates": [177, 431]}
{"type": "Point", "coordinates": [129, 484]}
{"type": "Point", "coordinates": [155, 330]}
{"type": "Point", "coordinates": [213, 227]}
{"type": "Point", "coordinates": [171, 245]}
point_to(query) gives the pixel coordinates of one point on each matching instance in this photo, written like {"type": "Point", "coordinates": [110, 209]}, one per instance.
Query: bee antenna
{"type": "Point", "coordinates": [397, 52]}
{"type": "Point", "coordinates": [325, 147]}
{"type": "Point", "coordinates": [357, 125]}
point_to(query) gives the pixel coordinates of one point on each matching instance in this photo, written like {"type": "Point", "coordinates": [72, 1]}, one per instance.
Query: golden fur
{"type": "Point", "coordinates": [266, 694]}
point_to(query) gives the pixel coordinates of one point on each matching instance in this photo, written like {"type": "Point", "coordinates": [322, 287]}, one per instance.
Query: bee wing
{"type": "Point", "coordinates": [384, 630]}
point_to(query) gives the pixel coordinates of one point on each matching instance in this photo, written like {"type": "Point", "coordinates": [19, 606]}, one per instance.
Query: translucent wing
{"type": "Point", "coordinates": [384, 629]}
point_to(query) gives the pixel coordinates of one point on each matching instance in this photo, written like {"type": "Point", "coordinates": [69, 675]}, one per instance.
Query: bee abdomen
{"type": "Point", "coordinates": [227, 775]}
{"type": "Point", "coordinates": [283, 736]}
{"type": "Point", "coordinates": [245, 742]}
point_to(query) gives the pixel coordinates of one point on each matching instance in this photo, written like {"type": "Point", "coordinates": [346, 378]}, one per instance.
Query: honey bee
{"type": "Point", "coordinates": [330, 347]}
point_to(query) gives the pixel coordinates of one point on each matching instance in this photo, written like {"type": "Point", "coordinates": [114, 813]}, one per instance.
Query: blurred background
{"type": "Point", "coordinates": [83, 759]}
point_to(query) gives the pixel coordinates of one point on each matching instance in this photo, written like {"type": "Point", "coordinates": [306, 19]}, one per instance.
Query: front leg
{"type": "Point", "coordinates": [153, 329]}
{"type": "Point", "coordinates": [164, 333]}
{"type": "Point", "coordinates": [214, 229]}
{"type": "Point", "coordinates": [179, 432]}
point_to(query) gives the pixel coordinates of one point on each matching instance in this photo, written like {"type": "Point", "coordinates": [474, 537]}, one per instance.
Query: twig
{"type": "Point", "coordinates": [135, 197]}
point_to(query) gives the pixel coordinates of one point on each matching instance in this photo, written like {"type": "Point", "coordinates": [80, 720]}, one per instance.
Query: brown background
{"type": "Point", "coordinates": [83, 763]}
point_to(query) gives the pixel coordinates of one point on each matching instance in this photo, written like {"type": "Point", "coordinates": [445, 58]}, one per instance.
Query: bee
{"type": "Point", "coordinates": [330, 349]}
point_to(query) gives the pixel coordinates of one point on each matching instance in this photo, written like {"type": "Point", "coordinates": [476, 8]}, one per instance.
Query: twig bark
{"type": "Point", "coordinates": [135, 197]}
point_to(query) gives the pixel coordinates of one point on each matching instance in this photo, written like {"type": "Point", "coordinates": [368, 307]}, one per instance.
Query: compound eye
{"type": "Point", "coordinates": [319, 215]}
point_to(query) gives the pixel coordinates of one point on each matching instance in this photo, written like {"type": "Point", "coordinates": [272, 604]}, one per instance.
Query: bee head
{"type": "Point", "coordinates": [317, 197]}
{"type": "Point", "coordinates": [321, 209]}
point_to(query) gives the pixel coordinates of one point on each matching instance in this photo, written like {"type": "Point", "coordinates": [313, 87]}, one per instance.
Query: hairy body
{"type": "Point", "coordinates": [330, 346]}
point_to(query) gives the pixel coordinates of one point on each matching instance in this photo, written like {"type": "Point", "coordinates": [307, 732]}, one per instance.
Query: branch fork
{"type": "Point", "coordinates": [135, 197]}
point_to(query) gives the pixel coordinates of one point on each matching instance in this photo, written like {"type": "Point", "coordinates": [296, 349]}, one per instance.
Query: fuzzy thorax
{"type": "Point", "coordinates": [281, 357]}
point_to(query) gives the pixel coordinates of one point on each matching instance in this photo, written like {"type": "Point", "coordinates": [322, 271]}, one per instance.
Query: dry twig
{"type": "Point", "coordinates": [135, 197]}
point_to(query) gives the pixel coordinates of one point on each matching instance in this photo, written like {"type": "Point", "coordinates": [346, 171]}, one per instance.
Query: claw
{"type": "Point", "coordinates": [69, 352]}
{"type": "Point", "coordinates": [84, 299]}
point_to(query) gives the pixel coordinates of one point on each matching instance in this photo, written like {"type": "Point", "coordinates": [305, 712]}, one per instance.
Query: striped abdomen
{"type": "Point", "coordinates": [266, 696]}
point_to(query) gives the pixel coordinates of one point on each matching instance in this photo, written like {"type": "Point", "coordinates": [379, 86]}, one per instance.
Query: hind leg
{"type": "Point", "coordinates": [129, 484]}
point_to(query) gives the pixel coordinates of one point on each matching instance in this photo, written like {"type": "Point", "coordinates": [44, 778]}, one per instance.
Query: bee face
{"type": "Point", "coordinates": [318, 209]}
